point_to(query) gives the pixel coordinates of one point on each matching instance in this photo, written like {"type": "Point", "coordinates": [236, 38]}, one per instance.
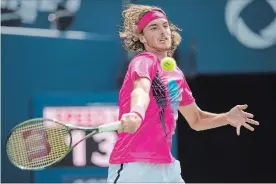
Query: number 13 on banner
{"type": "Point", "coordinates": [88, 116]}
{"type": "Point", "coordinates": [100, 156]}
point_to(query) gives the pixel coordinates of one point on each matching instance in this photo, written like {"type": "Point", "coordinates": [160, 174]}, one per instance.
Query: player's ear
{"type": "Point", "coordinates": [142, 39]}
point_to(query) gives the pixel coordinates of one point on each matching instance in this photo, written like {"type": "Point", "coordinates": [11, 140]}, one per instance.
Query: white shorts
{"type": "Point", "coordinates": [142, 172]}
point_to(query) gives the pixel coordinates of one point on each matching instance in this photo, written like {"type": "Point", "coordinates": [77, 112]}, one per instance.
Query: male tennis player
{"type": "Point", "coordinates": [149, 102]}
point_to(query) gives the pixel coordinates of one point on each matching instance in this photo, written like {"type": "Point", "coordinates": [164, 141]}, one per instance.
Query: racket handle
{"type": "Point", "coordinates": [109, 127]}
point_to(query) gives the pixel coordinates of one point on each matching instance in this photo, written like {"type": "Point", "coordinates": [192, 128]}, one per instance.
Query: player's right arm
{"type": "Point", "coordinates": [142, 72]}
{"type": "Point", "coordinates": [140, 93]}
{"type": "Point", "coordinates": [130, 122]}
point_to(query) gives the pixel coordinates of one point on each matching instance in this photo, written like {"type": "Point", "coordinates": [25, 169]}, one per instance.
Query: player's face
{"type": "Point", "coordinates": [157, 35]}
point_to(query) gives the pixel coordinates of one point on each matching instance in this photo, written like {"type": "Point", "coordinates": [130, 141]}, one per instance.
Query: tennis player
{"type": "Point", "coordinates": [150, 99]}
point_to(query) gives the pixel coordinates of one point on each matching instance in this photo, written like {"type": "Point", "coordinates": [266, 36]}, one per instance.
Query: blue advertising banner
{"type": "Point", "coordinates": [219, 36]}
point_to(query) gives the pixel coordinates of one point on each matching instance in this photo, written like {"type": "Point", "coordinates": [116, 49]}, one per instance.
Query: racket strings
{"type": "Point", "coordinates": [34, 145]}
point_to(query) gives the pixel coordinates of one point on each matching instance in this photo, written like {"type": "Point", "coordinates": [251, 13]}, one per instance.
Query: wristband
{"type": "Point", "coordinates": [139, 110]}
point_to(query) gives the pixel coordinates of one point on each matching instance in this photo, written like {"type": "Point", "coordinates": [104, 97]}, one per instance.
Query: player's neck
{"type": "Point", "coordinates": [159, 54]}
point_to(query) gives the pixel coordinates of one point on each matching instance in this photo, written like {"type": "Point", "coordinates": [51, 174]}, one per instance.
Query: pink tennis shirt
{"type": "Point", "coordinates": [152, 142]}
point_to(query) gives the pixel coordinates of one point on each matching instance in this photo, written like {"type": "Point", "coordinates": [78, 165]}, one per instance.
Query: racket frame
{"type": "Point", "coordinates": [50, 164]}
{"type": "Point", "coordinates": [69, 128]}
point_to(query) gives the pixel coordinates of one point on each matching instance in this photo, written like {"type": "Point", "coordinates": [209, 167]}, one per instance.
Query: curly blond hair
{"type": "Point", "coordinates": [132, 14]}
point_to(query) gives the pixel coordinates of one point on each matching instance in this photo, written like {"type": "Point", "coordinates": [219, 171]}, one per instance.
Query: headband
{"type": "Point", "coordinates": [148, 17]}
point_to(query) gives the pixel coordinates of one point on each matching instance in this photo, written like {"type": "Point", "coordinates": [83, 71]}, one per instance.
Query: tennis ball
{"type": "Point", "coordinates": [168, 64]}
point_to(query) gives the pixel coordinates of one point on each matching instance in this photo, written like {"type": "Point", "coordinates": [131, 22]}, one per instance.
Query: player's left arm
{"type": "Point", "coordinates": [202, 120]}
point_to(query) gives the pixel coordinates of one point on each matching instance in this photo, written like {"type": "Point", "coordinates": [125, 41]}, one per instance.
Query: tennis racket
{"type": "Point", "coordinates": [40, 143]}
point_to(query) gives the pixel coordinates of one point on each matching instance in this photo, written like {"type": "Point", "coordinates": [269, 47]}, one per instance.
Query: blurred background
{"type": "Point", "coordinates": [64, 59]}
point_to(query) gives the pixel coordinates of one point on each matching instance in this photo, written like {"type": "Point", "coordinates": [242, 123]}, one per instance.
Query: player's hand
{"type": "Point", "coordinates": [237, 118]}
{"type": "Point", "coordinates": [130, 122]}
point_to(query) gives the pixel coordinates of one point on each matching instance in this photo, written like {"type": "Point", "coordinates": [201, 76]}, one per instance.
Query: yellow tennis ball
{"type": "Point", "coordinates": [168, 64]}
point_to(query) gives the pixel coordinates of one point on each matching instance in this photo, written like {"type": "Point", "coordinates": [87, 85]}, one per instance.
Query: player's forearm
{"type": "Point", "coordinates": [130, 122]}
{"type": "Point", "coordinates": [140, 97]}
{"type": "Point", "coordinates": [208, 120]}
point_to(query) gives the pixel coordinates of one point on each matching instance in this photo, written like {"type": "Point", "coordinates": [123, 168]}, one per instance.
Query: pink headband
{"type": "Point", "coordinates": [154, 14]}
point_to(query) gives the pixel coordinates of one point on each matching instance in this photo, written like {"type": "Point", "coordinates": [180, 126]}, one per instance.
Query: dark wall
{"type": "Point", "coordinates": [219, 155]}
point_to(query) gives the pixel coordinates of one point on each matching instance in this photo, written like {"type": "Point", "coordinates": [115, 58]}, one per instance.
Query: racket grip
{"type": "Point", "coordinates": [109, 127]}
